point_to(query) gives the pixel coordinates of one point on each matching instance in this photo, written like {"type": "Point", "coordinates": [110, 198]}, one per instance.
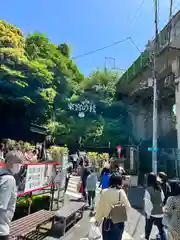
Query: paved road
{"type": "Point", "coordinates": [134, 227]}
{"type": "Point", "coordinates": [133, 230]}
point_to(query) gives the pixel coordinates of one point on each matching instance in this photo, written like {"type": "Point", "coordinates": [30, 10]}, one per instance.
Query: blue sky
{"type": "Point", "coordinates": [88, 24]}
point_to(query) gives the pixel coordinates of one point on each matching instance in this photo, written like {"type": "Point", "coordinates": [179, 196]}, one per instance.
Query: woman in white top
{"type": "Point", "coordinates": [108, 198]}
{"type": "Point", "coordinates": [153, 207]}
{"type": "Point", "coordinates": [172, 213]}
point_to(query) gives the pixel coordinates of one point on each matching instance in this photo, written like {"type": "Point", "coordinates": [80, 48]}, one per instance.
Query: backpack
{"type": "Point", "coordinates": [118, 213]}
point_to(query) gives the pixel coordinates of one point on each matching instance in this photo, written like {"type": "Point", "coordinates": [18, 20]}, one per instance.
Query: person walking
{"type": "Point", "coordinates": [162, 178]}
{"type": "Point", "coordinates": [172, 214]}
{"type": "Point", "coordinates": [84, 174]}
{"type": "Point", "coordinates": [104, 179]}
{"type": "Point", "coordinates": [91, 189]}
{"type": "Point", "coordinates": [67, 177]}
{"type": "Point", "coordinates": [8, 190]}
{"type": "Point", "coordinates": [113, 198]}
{"type": "Point", "coordinates": [153, 206]}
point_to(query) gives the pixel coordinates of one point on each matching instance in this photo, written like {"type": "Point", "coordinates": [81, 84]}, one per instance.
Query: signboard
{"type": "Point", "coordinates": [39, 176]}
{"type": "Point", "coordinates": [35, 177]}
{"type": "Point", "coordinates": [61, 178]}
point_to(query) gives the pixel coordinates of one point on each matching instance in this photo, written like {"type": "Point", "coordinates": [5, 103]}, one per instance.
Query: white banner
{"type": "Point", "coordinates": [39, 176]}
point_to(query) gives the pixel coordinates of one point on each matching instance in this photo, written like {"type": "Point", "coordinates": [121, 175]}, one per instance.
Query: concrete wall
{"type": "Point", "coordinates": [142, 120]}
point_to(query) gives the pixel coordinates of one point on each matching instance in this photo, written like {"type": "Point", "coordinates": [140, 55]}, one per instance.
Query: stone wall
{"type": "Point", "coordinates": [142, 120]}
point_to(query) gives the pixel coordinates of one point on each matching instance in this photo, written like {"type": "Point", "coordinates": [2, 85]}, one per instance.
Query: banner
{"type": "Point", "coordinates": [35, 177]}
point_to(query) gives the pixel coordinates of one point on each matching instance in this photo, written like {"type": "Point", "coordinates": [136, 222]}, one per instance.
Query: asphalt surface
{"type": "Point", "coordinates": [134, 226]}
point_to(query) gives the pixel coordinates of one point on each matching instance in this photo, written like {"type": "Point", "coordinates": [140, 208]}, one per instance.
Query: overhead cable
{"type": "Point", "coordinates": [136, 14]}
{"type": "Point", "coordinates": [100, 49]}
{"type": "Point", "coordinates": [115, 43]}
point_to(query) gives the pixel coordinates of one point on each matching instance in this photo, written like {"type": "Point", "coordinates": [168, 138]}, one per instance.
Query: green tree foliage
{"type": "Point", "coordinates": [42, 77]}
{"type": "Point", "coordinates": [110, 123]}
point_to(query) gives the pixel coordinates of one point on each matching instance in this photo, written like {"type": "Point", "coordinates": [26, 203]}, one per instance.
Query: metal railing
{"type": "Point", "coordinates": [144, 59]}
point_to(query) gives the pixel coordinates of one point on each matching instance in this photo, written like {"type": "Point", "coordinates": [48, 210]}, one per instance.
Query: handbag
{"type": "Point", "coordinates": [94, 232]}
{"type": "Point", "coordinates": [118, 213]}
{"type": "Point", "coordinates": [79, 187]}
{"type": "Point", "coordinates": [169, 219]}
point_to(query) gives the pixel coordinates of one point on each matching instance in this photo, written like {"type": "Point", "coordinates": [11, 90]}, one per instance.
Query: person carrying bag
{"type": "Point", "coordinates": [171, 217]}
{"type": "Point", "coordinates": [118, 212]}
{"type": "Point", "coordinates": [112, 208]}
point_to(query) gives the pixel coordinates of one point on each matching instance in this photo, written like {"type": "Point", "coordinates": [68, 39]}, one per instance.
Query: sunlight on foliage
{"type": "Point", "coordinates": [41, 78]}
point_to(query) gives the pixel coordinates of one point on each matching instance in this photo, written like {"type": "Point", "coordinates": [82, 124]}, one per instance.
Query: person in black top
{"type": "Point", "coordinates": [84, 174]}
{"type": "Point", "coordinates": [162, 178]}
{"type": "Point", "coordinates": [68, 174]}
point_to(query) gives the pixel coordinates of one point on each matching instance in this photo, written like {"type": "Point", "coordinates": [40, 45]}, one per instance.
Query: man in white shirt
{"type": "Point", "coordinates": [8, 190]}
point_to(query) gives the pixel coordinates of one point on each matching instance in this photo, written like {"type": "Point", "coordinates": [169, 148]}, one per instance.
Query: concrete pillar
{"type": "Point", "coordinates": [141, 117]}
{"type": "Point", "coordinates": [140, 124]}
{"type": "Point", "coordinates": [165, 119]}
{"type": "Point", "coordinates": [176, 71]}
{"type": "Point", "coordinates": [142, 120]}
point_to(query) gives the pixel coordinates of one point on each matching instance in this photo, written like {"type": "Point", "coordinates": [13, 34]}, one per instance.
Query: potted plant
{"type": "Point", "coordinates": [21, 208]}
{"type": "Point", "coordinates": [57, 153]}
{"type": "Point", "coordinates": [40, 202]}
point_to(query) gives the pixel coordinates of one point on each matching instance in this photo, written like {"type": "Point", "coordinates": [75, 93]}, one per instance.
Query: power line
{"type": "Point", "coordinates": [100, 49]}
{"type": "Point", "coordinates": [136, 13]}
{"type": "Point", "coordinates": [107, 46]}
{"type": "Point", "coordinates": [118, 42]}
{"type": "Point", "coordinates": [135, 45]}
{"type": "Point", "coordinates": [176, 6]}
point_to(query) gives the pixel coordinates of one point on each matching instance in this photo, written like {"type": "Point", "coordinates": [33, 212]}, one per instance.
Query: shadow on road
{"type": "Point", "coordinates": [76, 200]}
{"type": "Point", "coordinates": [135, 196]}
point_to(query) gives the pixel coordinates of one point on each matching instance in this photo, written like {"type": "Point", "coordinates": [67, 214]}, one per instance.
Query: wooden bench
{"type": "Point", "coordinates": [23, 227]}
{"type": "Point", "coordinates": [67, 216]}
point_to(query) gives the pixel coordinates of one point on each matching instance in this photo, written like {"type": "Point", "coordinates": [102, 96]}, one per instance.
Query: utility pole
{"type": "Point", "coordinates": [155, 97]}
